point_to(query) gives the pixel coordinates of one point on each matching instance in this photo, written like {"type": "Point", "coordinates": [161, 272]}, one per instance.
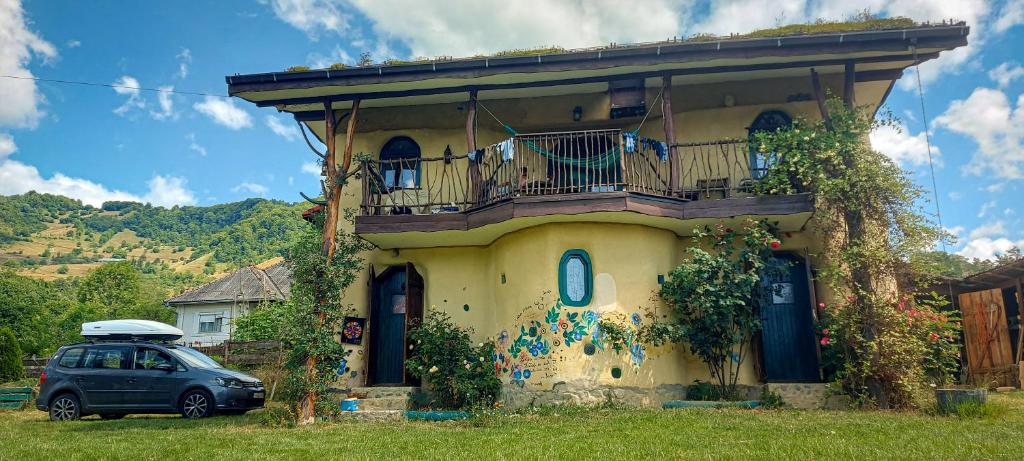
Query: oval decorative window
{"type": "Point", "coordinates": [575, 278]}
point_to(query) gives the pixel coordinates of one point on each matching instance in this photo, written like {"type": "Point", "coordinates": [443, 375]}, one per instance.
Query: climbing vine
{"type": "Point", "coordinates": [318, 289]}
{"type": "Point", "coordinates": [869, 220]}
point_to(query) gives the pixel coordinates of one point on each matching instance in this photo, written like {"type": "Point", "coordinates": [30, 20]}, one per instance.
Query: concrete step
{"type": "Point", "coordinates": [801, 395]}
{"type": "Point", "coordinates": [384, 403]}
{"type": "Point", "coordinates": [380, 392]}
{"type": "Point", "coordinates": [372, 415]}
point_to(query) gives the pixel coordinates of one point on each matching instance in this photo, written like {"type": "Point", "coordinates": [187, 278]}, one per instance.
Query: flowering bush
{"type": "Point", "coordinates": [459, 374]}
{"type": "Point", "coordinates": [714, 297]}
{"type": "Point", "coordinates": [895, 343]}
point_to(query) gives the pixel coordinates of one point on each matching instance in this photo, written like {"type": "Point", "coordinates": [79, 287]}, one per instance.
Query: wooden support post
{"type": "Point", "coordinates": [670, 134]}
{"type": "Point", "coordinates": [1020, 331]}
{"type": "Point", "coordinates": [335, 183]}
{"type": "Point", "coordinates": [849, 78]}
{"type": "Point", "coordinates": [474, 167]}
{"type": "Point", "coordinates": [819, 96]}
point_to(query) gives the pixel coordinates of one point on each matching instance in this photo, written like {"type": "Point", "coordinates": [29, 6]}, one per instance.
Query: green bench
{"type": "Point", "coordinates": [14, 398]}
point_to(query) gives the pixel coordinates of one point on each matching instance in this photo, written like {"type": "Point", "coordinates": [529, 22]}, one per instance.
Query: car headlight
{"type": "Point", "coordinates": [229, 382]}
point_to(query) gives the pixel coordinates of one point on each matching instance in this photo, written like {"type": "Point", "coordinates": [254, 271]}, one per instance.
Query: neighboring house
{"type": "Point", "coordinates": [511, 193]}
{"type": "Point", "coordinates": [205, 313]}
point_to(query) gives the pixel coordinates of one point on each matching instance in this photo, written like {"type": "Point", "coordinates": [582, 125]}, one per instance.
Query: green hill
{"type": "Point", "coordinates": [49, 236]}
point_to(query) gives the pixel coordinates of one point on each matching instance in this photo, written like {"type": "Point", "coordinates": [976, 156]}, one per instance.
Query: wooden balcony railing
{"type": "Point", "coordinates": [537, 164]}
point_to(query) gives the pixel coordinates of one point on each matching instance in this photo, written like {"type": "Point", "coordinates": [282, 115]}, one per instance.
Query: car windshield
{"type": "Point", "coordinates": [194, 358]}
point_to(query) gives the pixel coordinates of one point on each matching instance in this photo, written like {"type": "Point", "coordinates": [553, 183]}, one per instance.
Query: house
{"type": "Point", "coordinates": [530, 195]}
{"type": "Point", "coordinates": [205, 313]}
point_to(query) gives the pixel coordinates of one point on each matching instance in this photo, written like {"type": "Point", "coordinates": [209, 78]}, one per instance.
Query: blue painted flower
{"type": "Point", "coordinates": [527, 374]}
{"type": "Point", "coordinates": [517, 375]}
{"type": "Point", "coordinates": [590, 316]}
{"type": "Point", "coordinates": [554, 327]}
{"type": "Point", "coordinates": [577, 336]}
{"type": "Point", "coordinates": [636, 318]}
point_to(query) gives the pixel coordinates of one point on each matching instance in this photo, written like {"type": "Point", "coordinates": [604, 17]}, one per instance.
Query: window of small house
{"type": "Point", "coordinates": [769, 121]}
{"type": "Point", "coordinates": [575, 278]}
{"type": "Point", "coordinates": [400, 163]}
{"type": "Point", "coordinates": [209, 323]}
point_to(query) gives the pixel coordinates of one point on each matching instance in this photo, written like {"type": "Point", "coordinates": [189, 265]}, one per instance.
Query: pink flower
{"type": "Point", "coordinates": [825, 331]}
{"type": "Point", "coordinates": [932, 336]}
{"type": "Point", "coordinates": [775, 244]}
{"type": "Point", "coordinates": [825, 341]}
{"type": "Point", "coordinates": [958, 324]}
{"type": "Point", "coordinates": [821, 305]}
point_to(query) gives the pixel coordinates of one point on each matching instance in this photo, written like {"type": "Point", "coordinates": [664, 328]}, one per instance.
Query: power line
{"type": "Point", "coordinates": [111, 85]}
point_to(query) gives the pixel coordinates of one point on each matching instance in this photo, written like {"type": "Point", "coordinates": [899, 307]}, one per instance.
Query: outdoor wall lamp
{"type": "Point", "coordinates": [577, 113]}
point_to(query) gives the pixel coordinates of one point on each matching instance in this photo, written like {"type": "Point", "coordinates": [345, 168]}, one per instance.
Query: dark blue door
{"type": "Point", "coordinates": [787, 324]}
{"type": "Point", "coordinates": [387, 327]}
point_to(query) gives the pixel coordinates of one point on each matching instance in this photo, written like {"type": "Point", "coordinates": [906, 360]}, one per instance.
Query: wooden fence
{"type": "Point", "coordinates": [246, 353]}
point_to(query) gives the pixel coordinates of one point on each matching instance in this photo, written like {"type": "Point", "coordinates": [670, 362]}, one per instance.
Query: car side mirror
{"type": "Point", "coordinates": [164, 367]}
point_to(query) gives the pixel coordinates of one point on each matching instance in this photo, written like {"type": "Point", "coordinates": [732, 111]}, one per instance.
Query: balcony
{"type": "Point", "coordinates": [560, 174]}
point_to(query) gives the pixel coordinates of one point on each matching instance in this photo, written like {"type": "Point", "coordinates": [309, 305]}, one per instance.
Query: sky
{"type": "Point", "coordinates": [194, 146]}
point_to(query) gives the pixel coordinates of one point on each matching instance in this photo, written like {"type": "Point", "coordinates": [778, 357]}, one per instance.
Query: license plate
{"type": "Point", "coordinates": [257, 395]}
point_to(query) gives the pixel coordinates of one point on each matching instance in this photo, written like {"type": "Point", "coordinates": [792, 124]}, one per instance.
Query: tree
{"type": "Point", "coordinates": [10, 357]}
{"type": "Point", "coordinates": [714, 298]}
{"type": "Point", "coordinates": [115, 287]}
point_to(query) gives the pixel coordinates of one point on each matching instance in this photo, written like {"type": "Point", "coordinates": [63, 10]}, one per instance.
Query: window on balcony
{"type": "Point", "coordinates": [770, 120]}
{"type": "Point", "coordinates": [400, 163]}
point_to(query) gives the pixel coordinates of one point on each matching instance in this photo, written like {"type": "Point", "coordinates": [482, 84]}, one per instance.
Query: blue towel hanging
{"type": "Point", "coordinates": [629, 142]}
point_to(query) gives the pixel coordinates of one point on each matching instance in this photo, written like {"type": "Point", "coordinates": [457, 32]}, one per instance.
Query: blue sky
{"type": "Point", "coordinates": [98, 143]}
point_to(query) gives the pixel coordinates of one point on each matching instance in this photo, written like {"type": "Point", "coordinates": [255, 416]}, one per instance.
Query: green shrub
{"type": "Point", "coordinates": [459, 374]}
{"type": "Point", "coordinates": [770, 399]}
{"type": "Point", "coordinates": [10, 356]}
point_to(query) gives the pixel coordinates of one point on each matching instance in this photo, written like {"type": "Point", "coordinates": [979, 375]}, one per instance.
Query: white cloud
{"type": "Point", "coordinates": [166, 103]}
{"type": "Point", "coordinates": [1012, 14]}
{"type": "Point", "coordinates": [312, 16]}
{"type": "Point", "coordinates": [193, 145]}
{"type": "Point", "coordinates": [987, 248]}
{"type": "Point", "coordinates": [996, 187]}
{"type": "Point", "coordinates": [73, 44]}
{"type": "Point", "coordinates": [992, 229]}
{"type": "Point", "coordinates": [280, 129]}
{"type": "Point", "coordinates": [128, 86]}
{"type": "Point", "coordinates": [251, 187]}
{"type": "Point", "coordinates": [291, 180]}
{"type": "Point", "coordinates": [337, 55]}
{"type": "Point", "coordinates": [956, 230]}
{"type": "Point", "coordinates": [998, 129]}
{"type": "Point", "coordinates": [22, 100]}
{"type": "Point", "coordinates": [168, 191]}
{"type": "Point", "coordinates": [184, 60]}
{"type": "Point", "coordinates": [312, 168]}
{"type": "Point", "coordinates": [7, 146]}
{"type": "Point", "coordinates": [906, 149]}
{"type": "Point", "coordinates": [224, 112]}
{"type": "Point", "coordinates": [986, 207]}
{"type": "Point", "coordinates": [1006, 73]}
{"type": "Point", "coordinates": [955, 195]}
{"type": "Point", "coordinates": [18, 178]}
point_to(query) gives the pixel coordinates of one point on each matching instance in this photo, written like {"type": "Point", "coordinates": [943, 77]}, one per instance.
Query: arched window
{"type": "Point", "coordinates": [575, 278]}
{"type": "Point", "coordinates": [400, 163]}
{"type": "Point", "coordinates": [770, 121]}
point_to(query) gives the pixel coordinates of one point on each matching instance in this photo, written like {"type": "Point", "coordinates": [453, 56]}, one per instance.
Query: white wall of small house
{"type": "Point", "coordinates": [189, 316]}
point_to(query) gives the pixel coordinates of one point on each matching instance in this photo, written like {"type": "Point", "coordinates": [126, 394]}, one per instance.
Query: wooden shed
{"type": "Point", "coordinates": [989, 303]}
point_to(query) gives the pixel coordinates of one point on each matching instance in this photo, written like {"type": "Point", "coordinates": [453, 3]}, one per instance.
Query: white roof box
{"type": "Point", "coordinates": [130, 329]}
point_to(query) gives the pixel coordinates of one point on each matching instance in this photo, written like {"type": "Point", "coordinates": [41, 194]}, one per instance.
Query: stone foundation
{"type": "Point", "coordinates": [587, 393]}
{"type": "Point", "coordinates": [809, 396]}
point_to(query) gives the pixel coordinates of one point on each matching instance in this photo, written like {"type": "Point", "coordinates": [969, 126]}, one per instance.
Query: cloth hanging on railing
{"type": "Point", "coordinates": [597, 162]}
{"type": "Point", "coordinates": [629, 141]}
{"type": "Point", "coordinates": [508, 149]}
{"type": "Point", "coordinates": [475, 154]}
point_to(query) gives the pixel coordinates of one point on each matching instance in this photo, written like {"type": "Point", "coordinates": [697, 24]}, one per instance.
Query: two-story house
{"type": "Point", "coordinates": [530, 195]}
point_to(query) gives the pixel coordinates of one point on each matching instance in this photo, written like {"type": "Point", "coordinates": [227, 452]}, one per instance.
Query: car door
{"type": "Point", "coordinates": [104, 375]}
{"type": "Point", "coordinates": [154, 386]}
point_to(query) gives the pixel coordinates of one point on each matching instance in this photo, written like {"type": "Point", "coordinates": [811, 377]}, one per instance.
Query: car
{"type": "Point", "coordinates": [116, 377]}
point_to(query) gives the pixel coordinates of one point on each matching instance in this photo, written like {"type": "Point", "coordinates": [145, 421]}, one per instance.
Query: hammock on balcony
{"type": "Point", "coordinates": [599, 161]}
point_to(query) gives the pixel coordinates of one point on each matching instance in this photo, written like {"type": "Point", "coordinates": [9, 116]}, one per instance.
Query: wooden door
{"type": "Point", "coordinates": [787, 325]}
{"type": "Point", "coordinates": [986, 334]}
{"type": "Point", "coordinates": [414, 311]}
{"type": "Point", "coordinates": [387, 328]}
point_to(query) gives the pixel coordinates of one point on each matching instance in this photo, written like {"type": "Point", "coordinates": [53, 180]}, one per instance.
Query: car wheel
{"type": "Point", "coordinates": [196, 404]}
{"type": "Point", "coordinates": [112, 415]}
{"type": "Point", "coordinates": [65, 407]}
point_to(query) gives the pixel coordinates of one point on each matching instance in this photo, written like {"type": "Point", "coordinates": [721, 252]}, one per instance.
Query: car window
{"type": "Point", "coordinates": [147, 358]}
{"type": "Point", "coordinates": [108, 357]}
{"type": "Point", "coordinates": [71, 357]}
{"type": "Point", "coordinates": [194, 358]}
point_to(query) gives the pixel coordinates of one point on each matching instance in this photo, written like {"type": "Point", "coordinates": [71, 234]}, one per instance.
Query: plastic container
{"type": "Point", "coordinates": [350, 404]}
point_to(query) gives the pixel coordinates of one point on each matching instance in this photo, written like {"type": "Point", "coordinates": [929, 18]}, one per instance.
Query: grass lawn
{"type": "Point", "coordinates": [549, 434]}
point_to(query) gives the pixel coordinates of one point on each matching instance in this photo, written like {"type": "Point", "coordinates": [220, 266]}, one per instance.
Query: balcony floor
{"type": "Point", "coordinates": [481, 226]}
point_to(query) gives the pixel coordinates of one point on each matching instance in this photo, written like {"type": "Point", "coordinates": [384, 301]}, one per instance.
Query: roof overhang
{"type": "Point", "coordinates": [878, 55]}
